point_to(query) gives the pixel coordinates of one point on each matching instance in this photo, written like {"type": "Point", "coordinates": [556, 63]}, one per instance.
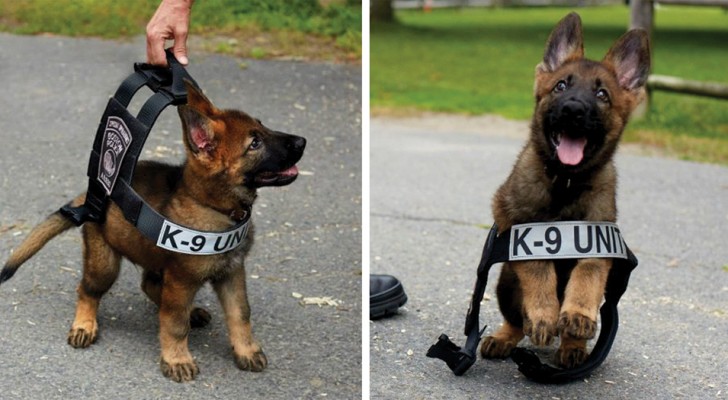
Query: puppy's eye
{"type": "Point", "coordinates": [560, 86]}
{"type": "Point", "coordinates": [602, 95]}
{"type": "Point", "coordinates": [255, 144]}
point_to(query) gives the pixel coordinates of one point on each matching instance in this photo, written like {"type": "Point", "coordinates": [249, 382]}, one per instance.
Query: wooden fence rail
{"type": "Point", "coordinates": [679, 85]}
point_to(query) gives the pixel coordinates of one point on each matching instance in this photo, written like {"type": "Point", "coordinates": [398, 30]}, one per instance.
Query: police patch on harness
{"type": "Point", "coordinates": [555, 240]}
{"type": "Point", "coordinates": [117, 139]}
{"type": "Point", "coordinates": [180, 239]}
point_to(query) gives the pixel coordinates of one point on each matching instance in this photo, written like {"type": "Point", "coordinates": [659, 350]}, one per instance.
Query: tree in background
{"type": "Point", "coordinates": [382, 11]}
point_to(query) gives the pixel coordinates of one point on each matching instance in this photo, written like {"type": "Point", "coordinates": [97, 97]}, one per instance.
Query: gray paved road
{"type": "Point", "coordinates": [431, 186]}
{"type": "Point", "coordinates": [309, 234]}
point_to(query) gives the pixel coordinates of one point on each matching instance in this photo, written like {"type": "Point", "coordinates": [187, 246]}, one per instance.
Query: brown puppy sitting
{"type": "Point", "coordinates": [565, 172]}
{"type": "Point", "coordinates": [229, 156]}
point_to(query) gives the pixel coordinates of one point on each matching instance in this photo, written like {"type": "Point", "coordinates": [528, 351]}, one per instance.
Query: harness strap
{"type": "Point", "coordinates": [129, 87]}
{"type": "Point", "coordinates": [504, 247]}
{"type": "Point", "coordinates": [117, 147]}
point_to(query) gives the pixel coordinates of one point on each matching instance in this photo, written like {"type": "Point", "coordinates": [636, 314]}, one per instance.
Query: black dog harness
{"type": "Point", "coordinates": [552, 240]}
{"type": "Point", "coordinates": [116, 150]}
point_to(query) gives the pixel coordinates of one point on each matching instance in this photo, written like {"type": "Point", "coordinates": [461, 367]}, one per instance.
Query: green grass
{"type": "Point", "coordinates": [482, 61]}
{"type": "Point", "coordinates": [333, 29]}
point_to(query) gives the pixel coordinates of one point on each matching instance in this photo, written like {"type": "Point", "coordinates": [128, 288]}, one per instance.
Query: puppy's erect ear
{"type": "Point", "coordinates": [199, 135]}
{"type": "Point", "coordinates": [630, 58]}
{"type": "Point", "coordinates": [197, 100]}
{"type": "Point", "coordinates": [565, 44]}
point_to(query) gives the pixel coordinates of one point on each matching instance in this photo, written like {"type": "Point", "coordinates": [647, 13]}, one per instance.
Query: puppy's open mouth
{"type": "Point", "coordinates": [569, 150]}
{"type": "Point", "coordinates": [279, 178]}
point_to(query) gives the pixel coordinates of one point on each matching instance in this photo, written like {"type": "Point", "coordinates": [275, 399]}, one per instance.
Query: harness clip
{"type": "Point", "coordinates": [93, 209]}
{"type": "Point", "coordinates": [458, 360]}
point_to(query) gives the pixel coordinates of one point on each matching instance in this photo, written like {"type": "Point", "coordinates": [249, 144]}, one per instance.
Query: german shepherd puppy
{"type": "Point", "coordinates": [229, 156]}
{"type": "Point", "coordinates": [566, 172]}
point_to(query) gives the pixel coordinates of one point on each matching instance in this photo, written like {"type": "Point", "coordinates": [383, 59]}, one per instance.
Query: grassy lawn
{"type": "Point", "coordinates": [301, 29]}
{"type": "Point", "coordinates": [482, 61]}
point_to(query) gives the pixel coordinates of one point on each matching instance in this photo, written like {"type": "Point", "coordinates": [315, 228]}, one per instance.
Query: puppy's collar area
{"type": "Point", "coordinates": [116, 150]}
{"type": "Point", "coordinates": [552, 240]}
{"type": "Point", "coordinates": [236, 214]}
{"type": "Point", "coordinates": [571, 182]}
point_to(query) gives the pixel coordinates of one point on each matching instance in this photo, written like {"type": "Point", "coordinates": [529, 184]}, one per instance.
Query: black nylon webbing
{"type": "Point", "coordinates": [151, 109]}
{"type": "Point", "coordinates": [129, 87]}
{"type": "Point", "coordinates": [147, 220]}
{"type": "Point", "coordinates": [145, 118]}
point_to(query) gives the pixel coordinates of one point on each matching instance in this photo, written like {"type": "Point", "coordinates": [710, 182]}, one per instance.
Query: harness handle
{"type": "Point", "coordinates": [169, 79]}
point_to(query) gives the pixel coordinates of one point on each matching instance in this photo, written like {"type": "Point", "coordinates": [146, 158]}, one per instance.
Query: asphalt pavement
{"type": "Point", "coordinates": [308, 234]}
{"type": "Point", "coordinates": [432, 181]}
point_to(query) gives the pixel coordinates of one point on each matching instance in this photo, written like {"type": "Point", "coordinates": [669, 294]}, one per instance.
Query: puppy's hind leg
{"type": "Point", "coordinates": [510, 302]}
{"type": "Point", "coordinates": [152, 287]}
{"type": "Point", "coordinates": [501, 343]}
{"type": "Point", "coordinates": [100, 270]}
{"type": "Point", "coordinates": [572, 352]}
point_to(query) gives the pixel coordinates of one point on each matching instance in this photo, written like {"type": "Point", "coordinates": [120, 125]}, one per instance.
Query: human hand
{"type": "Point", "coordinates": [171, 21]}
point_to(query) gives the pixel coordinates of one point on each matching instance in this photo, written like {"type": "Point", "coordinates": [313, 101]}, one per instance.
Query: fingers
{"type": "Point", "coordinates": [155, 48]}
{"type": "Point", "coordinates": [180, 46]}
{"type": "Point", "coordinates": [170, 22]}
{"type": "Point", "coordinates": [155, 51]}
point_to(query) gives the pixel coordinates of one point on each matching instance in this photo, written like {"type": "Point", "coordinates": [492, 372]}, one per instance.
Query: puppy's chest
{"type": "Point", "coordinates": [569, 203]}
{"type": "Point", "coordinates": [210, 267]}
{"type": "Point", "coordinates": [554, 204]}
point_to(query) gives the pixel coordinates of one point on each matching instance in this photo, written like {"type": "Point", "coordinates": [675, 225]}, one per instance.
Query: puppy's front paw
{"type": "Point", "coordinates": [255, 361]}
{"type": "Point", "coordinates": [541, 332]}
{"type": "Point", "coordinates": [576, 325]}
{"type": "Point", "coordinates": [493, 347]}
{"type": "Point", "coordinates": [571, 357]}
{"type": "Point", "coordinates": [82, 336]}
{"type": "Point", "coordinates": [199, 317]}
{"type": "Point", "coordinates": [179, 372]}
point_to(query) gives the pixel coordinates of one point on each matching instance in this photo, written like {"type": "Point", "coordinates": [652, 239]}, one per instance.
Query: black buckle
{"type": "Point", "coordinates": [459, 360]}
{"type": "Point", "coordinates": [93, 210]}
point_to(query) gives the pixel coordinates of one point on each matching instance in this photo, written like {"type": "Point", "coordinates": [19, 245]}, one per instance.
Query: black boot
{"type": "Point", "coordinates": [386, 295]}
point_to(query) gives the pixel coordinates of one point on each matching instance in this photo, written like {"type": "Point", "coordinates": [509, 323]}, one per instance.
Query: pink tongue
{"type": "Point", "coordinates": [290, 171]}
{"type": "Point", "coordinates": [571, 151]}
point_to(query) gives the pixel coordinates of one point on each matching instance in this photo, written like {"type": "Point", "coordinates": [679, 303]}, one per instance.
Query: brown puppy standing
{"type": "Point", "coordinates": [229, 156]}
{"type": "Point", "coordinates": [565, 172]}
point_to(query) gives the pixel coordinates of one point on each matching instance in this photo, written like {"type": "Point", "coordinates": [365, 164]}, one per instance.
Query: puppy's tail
{"type": "Point", "coordinates": [38, 237]}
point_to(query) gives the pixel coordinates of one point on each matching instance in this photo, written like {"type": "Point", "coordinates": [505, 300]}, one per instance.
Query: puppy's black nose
{"type": "Point", "coordinates": [573, 109]}
{"type": "Point", "coordinates": [298, 143]}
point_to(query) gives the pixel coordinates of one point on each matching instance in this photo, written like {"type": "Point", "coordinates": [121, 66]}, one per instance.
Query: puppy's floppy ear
{"type": "Point", "coordinates": [630, 58]}
{"type": "Point", "coordinates": [199, 135]}
{"type": "Point", "coordinates": [197, 100]}
{"type": "Point", "coordinates": [566, 43]}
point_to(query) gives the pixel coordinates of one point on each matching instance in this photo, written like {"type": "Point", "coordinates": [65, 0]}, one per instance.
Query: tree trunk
{"type": "Point", "coordinates": [381, 11]}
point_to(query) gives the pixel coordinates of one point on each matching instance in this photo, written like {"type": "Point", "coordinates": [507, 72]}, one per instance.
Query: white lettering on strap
{"type": "Point", "coordinates": [180, 239]}
{"type": "Point", "coordinates": [569, 239]}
